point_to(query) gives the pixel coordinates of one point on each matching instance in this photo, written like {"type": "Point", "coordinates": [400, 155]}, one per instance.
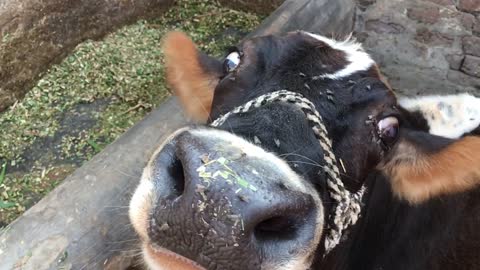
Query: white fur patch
{"type": "Point", "coordinates": [141, 205]}
{"type": "Point", "coordinates": [358, 58]}
{"type": "Point", "coordinates": [448, 116]}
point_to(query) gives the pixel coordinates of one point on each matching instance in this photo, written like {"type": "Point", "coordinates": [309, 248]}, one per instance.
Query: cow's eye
{"type": "Point", "coordinates": [388, 130]}
{"type": "Point", "coordinates": [231, 62]}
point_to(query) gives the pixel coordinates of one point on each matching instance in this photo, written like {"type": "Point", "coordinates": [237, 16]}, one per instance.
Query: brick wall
{"type": "Point", "coordinates": [423, 46]}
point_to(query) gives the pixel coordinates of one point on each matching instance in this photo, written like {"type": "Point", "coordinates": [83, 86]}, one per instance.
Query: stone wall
{"type": "Point", "coordinates": [423, 46]}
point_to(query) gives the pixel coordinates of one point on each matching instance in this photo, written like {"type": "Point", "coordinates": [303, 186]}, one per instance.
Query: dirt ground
{"type": "Point", "coordinates": [93, 96]}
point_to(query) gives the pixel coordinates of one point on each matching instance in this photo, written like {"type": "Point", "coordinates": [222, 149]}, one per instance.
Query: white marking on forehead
{"type": "Point", "coordinates": [449, 116]}
{"type": "Point", "coordinates": [358, 58]}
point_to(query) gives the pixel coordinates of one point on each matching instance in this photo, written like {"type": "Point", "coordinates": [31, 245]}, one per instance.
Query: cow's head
{"type": "Point", "coordinates": [252, 193]}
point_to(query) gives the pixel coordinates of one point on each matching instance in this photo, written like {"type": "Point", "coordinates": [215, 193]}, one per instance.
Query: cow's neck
{"type": "Point", "coordinates": [394, 235]}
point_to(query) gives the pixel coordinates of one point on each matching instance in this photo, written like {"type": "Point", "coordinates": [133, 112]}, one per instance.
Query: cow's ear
{"type": "Point", "coordinates": [191, 74]}
{"type": "Point", "coordinates": [441, 158]}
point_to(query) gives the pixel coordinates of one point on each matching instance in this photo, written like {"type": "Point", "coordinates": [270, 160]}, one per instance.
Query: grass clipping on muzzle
{"type": "Point", "coordinates": [226, 173]}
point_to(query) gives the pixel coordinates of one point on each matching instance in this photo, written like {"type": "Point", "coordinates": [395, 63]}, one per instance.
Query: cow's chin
{"type": "Point", "coordinates": [281, 214]}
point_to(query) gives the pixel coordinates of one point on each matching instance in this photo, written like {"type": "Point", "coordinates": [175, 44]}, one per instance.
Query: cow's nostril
{"type": "Point", "coordinates": [276, 228]}
{"type": "Point", "coordinates": [176, 173]}
{"type": "Point", "coordinates": [169, 172]}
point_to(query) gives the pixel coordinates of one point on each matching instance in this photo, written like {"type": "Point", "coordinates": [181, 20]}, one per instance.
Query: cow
{"type": "Point", "coordinates": [303, 157]}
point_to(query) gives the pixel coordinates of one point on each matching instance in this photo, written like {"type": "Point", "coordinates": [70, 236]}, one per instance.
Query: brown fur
{"type": "Point", "coordinates": [193, 86]}
{"type": "Point", "coordinates": [417, 177]}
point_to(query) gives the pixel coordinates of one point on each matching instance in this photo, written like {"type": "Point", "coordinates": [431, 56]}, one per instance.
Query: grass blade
{"type": "Point", "coordinates": [94, 145]}
{"type": "Point", "coordinates": [3, 173]}
{"type": "Point", "coordinates": [4, 204]}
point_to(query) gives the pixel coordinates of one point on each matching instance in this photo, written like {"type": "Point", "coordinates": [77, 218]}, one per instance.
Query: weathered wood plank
{"type": "Point", "coordinates": [83, 223]}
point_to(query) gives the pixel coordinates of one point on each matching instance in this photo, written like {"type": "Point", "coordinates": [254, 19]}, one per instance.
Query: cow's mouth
{"type": "Point", "coordinates": [156, 255]}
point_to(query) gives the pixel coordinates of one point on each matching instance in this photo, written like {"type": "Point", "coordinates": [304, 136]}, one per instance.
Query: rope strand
{"type": "Point", "coordinates": [348, 205]}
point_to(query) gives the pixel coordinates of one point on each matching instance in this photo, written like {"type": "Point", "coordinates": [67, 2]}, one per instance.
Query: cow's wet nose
{"type": "Point", "coordinates": [218, 196]}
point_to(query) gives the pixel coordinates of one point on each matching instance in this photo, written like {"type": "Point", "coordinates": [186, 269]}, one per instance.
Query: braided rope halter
{"type": "Point", "coordinates": [348, 205]}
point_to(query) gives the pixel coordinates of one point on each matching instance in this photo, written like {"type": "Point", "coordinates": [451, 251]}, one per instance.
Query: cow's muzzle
{"type": "Point", "coordinates": [225, 203]}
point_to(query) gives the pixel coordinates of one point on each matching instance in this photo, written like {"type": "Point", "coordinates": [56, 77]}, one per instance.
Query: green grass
{"type": "Point", "coordinates": [111, 84]}
{"type": "Point", "coordinates": [3, 173]}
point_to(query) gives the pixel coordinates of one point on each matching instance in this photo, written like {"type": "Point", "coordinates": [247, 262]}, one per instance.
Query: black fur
{"type": "Point", "coordinates": [439, 234]}
{"type": "Point", "coordinates": [391, 235]}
